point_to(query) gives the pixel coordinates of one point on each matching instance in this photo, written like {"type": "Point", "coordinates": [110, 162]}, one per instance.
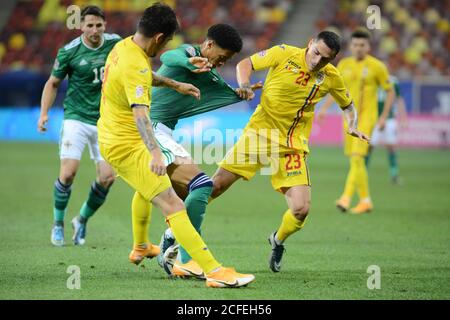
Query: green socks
{"type": "Point", "coordinates": [61, 196]}
{"type": "Point", "coordinates": [97, 196]}
{"type": "Point", "coordinates": [200, 189]}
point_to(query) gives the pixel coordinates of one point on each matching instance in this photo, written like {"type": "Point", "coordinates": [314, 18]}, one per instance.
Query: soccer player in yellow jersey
{"type": "Point", "coordinates": [363, 75]}
{"type": "Point", "coordinates": [127, 142]}
{"type": "Point", "coordinates": [281, 124]}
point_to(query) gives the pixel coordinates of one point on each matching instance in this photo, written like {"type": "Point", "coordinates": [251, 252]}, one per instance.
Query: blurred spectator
{"type": "Point", "coordinates": [415, 34]}
{"type": "Point", "coordinates": [37, 29]}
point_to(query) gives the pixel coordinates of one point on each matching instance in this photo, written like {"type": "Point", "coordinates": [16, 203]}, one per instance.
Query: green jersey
{"type": "Point", "coordinates": [168, 106]}
{"type": "Point", "coordinates": [85, 68]}
{"type": "Point", "coordinates": [382, 98]}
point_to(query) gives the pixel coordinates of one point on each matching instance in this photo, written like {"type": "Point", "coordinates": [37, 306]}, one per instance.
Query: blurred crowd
{"type": "Point", "coordinates": [414, 38]}
{"type": "Point", "coordinates": [36, 29]}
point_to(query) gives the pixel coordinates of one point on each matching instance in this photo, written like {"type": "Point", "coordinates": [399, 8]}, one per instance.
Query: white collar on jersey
{"type": "Point", "coordinates": [90, 48]}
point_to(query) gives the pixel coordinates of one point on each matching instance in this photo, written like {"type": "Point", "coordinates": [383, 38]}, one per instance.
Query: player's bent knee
{"type": "Point", "coordinates": [300, 211]}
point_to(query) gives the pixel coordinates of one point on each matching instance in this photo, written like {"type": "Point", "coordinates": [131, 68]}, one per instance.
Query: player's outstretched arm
{"type": "Point", "coordinates": [386, 108]}
{"type": "Point", "coordinates": [178, 58]}
{"type": "Point", "coordinates": [351, 117]}
{"type": "Point", "coordinates": [47, 100]}
{"type": "Point", "coordinates": [324, 108]}
{"type": "Point", "coordinates": [144, 126]}
{"type": "Point", "coordinates": [180, 87]}
{"type": "Point", "coordinates": [244, 71]}
{"type": "Point", "coordinates": [402, 114]}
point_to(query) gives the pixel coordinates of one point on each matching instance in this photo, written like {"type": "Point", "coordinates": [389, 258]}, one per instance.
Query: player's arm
{"type": "Point", "coordinates": [59, 72]}
{"type": "Point", "coordinates": [244, 70]}
{"type": "Point", "coordinates": [47, 100]}
{"type": "Point", "coordinates": [382, 76]}
{"type": "Point", "coordinates": [179, 58]}
{"type": "Point", "coordinates": [262, 60]}
{"type": "Point", "coordinates": [144, 126]}
{"type": "Point", "coordinates": [390, 97]}
{"type": "Point", "coordinates": [324, 108]}
{"type": "Point", "coordinates": [351, 117]}
{"type": "Point", "coordinates": [180, 87]}
{"type": "Point", "coordinates": [341, 95]}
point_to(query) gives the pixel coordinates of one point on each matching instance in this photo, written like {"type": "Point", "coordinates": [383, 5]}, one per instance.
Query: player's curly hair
{"type": "Point", "coordinates": [158, 18]}
{"type": "Point", "coordinates": [331, 39]}
{"type": "Point", "coordinates": [225, 36]}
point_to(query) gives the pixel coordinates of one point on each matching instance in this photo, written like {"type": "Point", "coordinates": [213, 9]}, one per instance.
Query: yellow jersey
{"type": "Point", "coordinates": [127, 83]}
{"type": "Point", "coordinates": [291, 92]}
{"type": "Point", "coordinates": [363, 78]}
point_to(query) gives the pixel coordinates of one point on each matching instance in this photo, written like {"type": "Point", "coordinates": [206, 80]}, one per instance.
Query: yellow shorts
{"type": "Point", "coordinates": [132, 163]}
{"type": "Point", "coordinates": [287, 167]}
{"type": "Point", "coordinates": [353, 145]}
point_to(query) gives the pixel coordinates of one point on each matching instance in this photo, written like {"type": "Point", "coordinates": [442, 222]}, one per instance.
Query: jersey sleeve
{"type": "Point", "coordinates": [179, 57]}
{"type": "Point", "coordinates": [137, 84]}
{"type": "Point", "coordinates": [382, 76]}
{"type": "Point", "coordinates": [62, 64]}
{"type": "Point", "coordinates": [339, 91]}
{"type": "Point", "coordinates": [268, 58]}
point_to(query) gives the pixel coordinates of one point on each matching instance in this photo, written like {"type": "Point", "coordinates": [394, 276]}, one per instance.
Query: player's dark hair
{"type": "Point", "coordinates": [331, 39]}
{"type": "Point", "coordinates": [92, 10]}
{"type": "Point", "coordinates": [158, 18]}
{"type": "Point", "coordinates": [226, 37]}
{"type": "Point", "coordinates": [361, 34]}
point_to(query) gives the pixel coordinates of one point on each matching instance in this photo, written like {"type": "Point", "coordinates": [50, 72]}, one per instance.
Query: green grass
{"type": "Point", "coordinates": [408, 235]}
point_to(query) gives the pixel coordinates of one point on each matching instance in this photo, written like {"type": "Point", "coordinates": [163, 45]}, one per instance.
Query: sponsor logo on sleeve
{"type": "Point", "coordinates": [139, 91]}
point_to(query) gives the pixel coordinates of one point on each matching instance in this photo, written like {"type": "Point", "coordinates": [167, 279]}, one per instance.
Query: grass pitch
{"type": "Point", "coordinates": [407, 236]}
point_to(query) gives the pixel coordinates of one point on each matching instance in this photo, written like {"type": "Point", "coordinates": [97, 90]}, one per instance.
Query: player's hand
{"type": "Point", "coordinates": [42, 123]}
{"type": "Point", "coordinates": [202, 64]}
{"type": "Point", "coordinates": [245, 92]}
{"type": "Point", "coordinates": [358, 134]}
{"type": "Point", "coordinates": [188, 89]}
{"type": "Point", "coordinates": [381, 124]}
{"type": "Point", "coordinates": [157, 164]}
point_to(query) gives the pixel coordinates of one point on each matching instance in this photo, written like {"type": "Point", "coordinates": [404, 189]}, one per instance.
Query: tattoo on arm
{"type": "Point", "coordinates": [160, 81]}
{"type": "Point", "coordinates": [145, 130]}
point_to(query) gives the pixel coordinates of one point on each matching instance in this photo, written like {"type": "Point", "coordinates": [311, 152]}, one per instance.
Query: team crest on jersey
{"type": "Point", "coordinates": [320, 78]}
{"type": "Point", "coordinates": [191, 51]}
{"type": "Point", "coordinates": [139, 91]}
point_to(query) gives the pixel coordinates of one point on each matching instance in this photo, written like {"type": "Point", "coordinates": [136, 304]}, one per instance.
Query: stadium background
{"type": "Point", "coordinates": [414, 41]}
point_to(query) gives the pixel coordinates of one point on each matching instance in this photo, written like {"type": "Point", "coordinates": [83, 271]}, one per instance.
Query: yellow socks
{"type": "Point", "coordinates": [141, 211]}
{"type": "Point", "coordinates": [191, 241]}
{"type": "Point", "coordinates": [357, 178]}
{"type": "Point", "coordinates": [289, 225]}
{"type": "Point", "coordinates": [362, 182]}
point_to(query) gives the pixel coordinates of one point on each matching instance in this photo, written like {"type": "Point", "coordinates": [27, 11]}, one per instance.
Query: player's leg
{"type": "Point", "coordinates": [99, 188]}
{"type": "Point", "coordinates": [141, 213]}
{"type": "Point", "coordinates": [376, 139]}
{"type": "Point", "coordinates": [177, 219]}
{"type": "Point", "coordinates": [391, 142]}
{"type": "Point", "coordinates": [199, 186]}
{"type": "Point", "coordinates": [71, 146]}
{"type": "Point", "coordinates": [292, 179]}
{"type": "Point", "coordinates": [343, 203]}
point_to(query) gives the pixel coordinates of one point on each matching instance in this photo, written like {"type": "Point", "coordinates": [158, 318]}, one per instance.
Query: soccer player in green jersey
{"type": "Point", "coordinates": [82, 60]}
{"type": "Point", "coordinates": [195, 64]}
{"type": "Point", "coordinates": [389, 135]}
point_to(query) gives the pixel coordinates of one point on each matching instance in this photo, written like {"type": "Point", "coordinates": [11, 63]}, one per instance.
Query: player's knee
{"type": "Point", "coordinates": [106, 181]}
{"type": "Point", "coordinates": [219, 186]}
{"type": "Point", "coordinates": [300, 210]}
{"type": "Point", "coordinates": [67, 176]}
